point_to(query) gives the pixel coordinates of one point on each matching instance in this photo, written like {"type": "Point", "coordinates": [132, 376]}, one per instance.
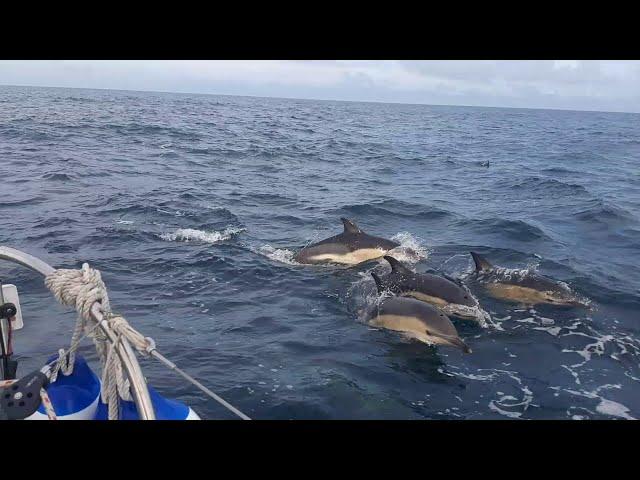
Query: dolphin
{"type": "Point", "coordinates": [434, 289]}
{"type": "Point", "coordinates": [417, 320]}
{"type": "Point", "coordinates": [351, 247]}
{"type": "Point", "coordinates": [526, 288]}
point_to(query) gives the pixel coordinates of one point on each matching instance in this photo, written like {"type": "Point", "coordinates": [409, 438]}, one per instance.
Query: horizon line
{"type": "Point", "coordinates": [320, 99]}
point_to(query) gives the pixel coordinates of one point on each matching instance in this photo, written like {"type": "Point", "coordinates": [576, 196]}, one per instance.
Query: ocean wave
{"type": "Point", "coordinates": [513, 229]}
{"type": "Point", "coordinates": [191, 235]}
{"type": "Point", "coordinates": [143, 129]}
{"type": "Point", "coordinates": [289, 219]}
{"type": "Point", "coordinates": [265, 199]}
{"type": "Point", "coordinates": [549, 186]}
{"type": "Point", "coordinates": [54, 221]}
{"type": "Point", "coordinates": [188, 196]}
{"type": "Point", "coordinates": [604, 213]}
{"type": "Point", "coordinates": [560, 170]}
{"type": "Point", "coordinates": [57, 177]}
{"type": "Point", "coordinates": [22, 203]}
{"type": "Point", "coordinates": [185, 209]}
{"type": "Point", "coordinates": [78, 99]}
{"type": "Point", "coordinates": [396, 208]}
{"type": "Point", "coordinates": [198, 151]}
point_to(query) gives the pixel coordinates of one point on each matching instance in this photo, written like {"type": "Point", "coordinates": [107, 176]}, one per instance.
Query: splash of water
{"type": "Point", "coordinates": [190, 234]}
{"type": "Point", "coordinates": [475, 313]}
{"type": "Point", "coordinates": [604, 406]}
{"type": "Point", "coordinates": [281, 255]}
{"type": "Point", "coordinates": [411, 249]}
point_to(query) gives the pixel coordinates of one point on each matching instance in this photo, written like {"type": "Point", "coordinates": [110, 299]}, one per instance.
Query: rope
{"type": "Point", "coordinates": [81, 289]}
{"type": "Point", "coordinates": [48, 406]}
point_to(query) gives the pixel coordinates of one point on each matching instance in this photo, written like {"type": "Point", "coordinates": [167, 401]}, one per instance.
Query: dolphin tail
{"type": "Point", "coordinates": [350, 226]}
{"type": "Point", "coordinates": [481, 263]}
{"type": "Point", "coordinates": [396, 266]}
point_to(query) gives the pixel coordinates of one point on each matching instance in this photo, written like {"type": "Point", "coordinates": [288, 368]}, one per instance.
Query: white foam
{"type": "Point", "coordinates": [615, 409]}
{"type": "Point", "coordinates": [513, 402]}
{"type": "Point", "coordinates": [555, 331]}
{"type": "Point", "coordinates": [190, 234]}
{"type": "Point", "coordinates": [605, 406]}
{"type": "Point", "coordinates": [473, 376]}
{"type": "Point", "coordinates": [363, 296]}
{"type": "Point", "coordinates": [474, 313]}
{"type": "Point", "coordinates": [493, 405]}
{"type": "Point", "coordinates": [506, 405]}
{"type": "Point", "coordinates": [281, 255]}
{"type": "Point", "coordinates": [411, 249]}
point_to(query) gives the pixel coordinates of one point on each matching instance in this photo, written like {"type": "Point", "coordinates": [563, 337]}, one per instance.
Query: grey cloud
{"type": "Point", "coordinates": [580, 85]}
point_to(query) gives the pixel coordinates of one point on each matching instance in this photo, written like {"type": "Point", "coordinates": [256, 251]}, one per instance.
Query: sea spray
{"type": "Point", "coordinates": [190, 234]}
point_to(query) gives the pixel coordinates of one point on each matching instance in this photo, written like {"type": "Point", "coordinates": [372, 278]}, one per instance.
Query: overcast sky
{"type": "Point", "coordinates": [560, 84]}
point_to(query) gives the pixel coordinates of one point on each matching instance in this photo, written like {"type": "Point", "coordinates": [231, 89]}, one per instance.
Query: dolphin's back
{"type": "Point", "coordinates": [522, 279]}
{"type": "Point", "coordinates": [434, 286]}
{"type": "Point", "coordinates": [337, 239]}
{"type": "Point", "coordinates": [352, 246]}
{"type": "Point", "coordinates": [540, 282]}
{"type": "Point", "coordinates": [364, 240]}
{"type": "Point", "coordinates": [439, 287]}
{"type": "Point", "coordinates": [408, 307]}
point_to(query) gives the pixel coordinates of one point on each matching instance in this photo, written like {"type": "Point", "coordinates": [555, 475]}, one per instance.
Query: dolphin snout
{"type": "Point", "coordinates": [458, 343]}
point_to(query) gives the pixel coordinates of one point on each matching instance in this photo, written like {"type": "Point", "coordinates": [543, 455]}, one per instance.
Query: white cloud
{"type": "Point", "coordinates": [576, 84]}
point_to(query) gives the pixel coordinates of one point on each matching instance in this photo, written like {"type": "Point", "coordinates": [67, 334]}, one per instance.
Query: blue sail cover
{"type": "Point", "coordinates": [77, 396]}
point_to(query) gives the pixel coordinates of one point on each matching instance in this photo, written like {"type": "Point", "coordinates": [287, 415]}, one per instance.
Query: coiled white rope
{"type": "Point", "coordinates": [81, 289]}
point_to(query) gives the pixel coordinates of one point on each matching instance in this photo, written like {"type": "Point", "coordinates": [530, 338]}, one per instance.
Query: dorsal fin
{"type": "Point", "coordinates": [396, 266]}
{"type": "Point", "coordinates": [481, 263]}
{"type": "Point", "coordinates": [379, 282]}
{"type": "Point", "coordinates": [350, 226]}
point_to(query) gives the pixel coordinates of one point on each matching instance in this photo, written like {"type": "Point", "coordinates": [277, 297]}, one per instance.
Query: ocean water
{"type": "Point", "coordinates": [192, 207]}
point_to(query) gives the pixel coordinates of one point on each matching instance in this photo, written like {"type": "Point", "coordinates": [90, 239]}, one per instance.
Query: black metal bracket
{"type": "Point", "coordinates": [22, 398]}
{"type": "Point", "coordinates": [8, 310]}
{"type": "Point", "coordinates": [9, 367]}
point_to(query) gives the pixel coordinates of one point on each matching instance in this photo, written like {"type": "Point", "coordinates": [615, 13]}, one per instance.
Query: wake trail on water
{"type": "Point", "coordinates": [194, 235]}
{"type": "Point", "coordinates": [280, 255]}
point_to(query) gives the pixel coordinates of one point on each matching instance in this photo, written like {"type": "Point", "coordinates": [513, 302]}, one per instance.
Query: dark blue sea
{"type": "Point", "coordinates": [193, 205]}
